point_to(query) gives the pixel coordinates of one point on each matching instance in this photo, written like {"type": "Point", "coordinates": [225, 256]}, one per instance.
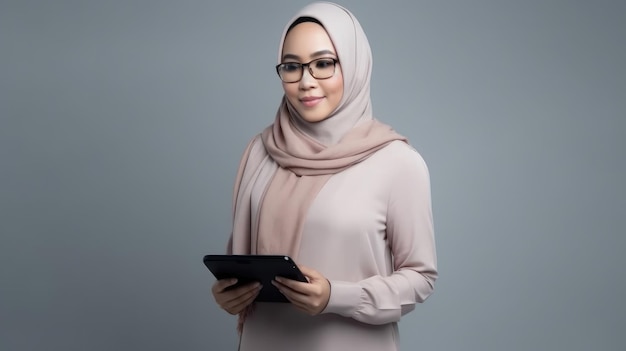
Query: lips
{"type": "Point", "coordinates": [310, 101]}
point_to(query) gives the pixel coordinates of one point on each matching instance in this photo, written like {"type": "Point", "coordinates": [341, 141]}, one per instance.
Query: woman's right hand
{"type": "Point", "coordinates": [234, 300]}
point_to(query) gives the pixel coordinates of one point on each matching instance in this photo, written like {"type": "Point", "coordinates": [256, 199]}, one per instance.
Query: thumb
{"type": "Point", "coordinates": [311, 273]}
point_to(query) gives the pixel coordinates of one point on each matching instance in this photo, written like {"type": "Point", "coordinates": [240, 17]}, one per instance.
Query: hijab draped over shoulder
{"type": "Point", "coordinates": [284, 168]}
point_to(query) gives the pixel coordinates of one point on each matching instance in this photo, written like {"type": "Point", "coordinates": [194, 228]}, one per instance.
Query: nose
{"type": "Point", "coordinates": [307, 80]}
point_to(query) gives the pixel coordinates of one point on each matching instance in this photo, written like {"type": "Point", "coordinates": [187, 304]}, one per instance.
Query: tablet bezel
{"type": "Point", "coordinates": [250, 268]}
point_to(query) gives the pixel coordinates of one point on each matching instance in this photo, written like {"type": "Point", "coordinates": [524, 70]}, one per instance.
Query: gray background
{"type": "Point", "coordinates": [122, 123]}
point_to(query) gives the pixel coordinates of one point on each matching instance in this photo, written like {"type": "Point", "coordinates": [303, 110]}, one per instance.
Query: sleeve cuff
{"type": "Point", "coordinates": [344, 298]}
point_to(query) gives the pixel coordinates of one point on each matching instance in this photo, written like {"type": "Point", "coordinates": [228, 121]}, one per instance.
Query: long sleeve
{"type": "Point", "coordinates": [381, 298]}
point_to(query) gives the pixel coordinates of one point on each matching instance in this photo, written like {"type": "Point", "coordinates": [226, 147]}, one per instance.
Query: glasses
{"type": "Point", "coordinates": [321, 68]}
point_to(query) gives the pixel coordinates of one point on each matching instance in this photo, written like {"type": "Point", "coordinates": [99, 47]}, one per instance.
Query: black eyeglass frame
{"type": "Point", "coordinates": [307, 65]}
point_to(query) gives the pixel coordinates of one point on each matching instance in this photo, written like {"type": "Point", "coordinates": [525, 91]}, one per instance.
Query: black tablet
{"type": "Point", "coordinates": [255, 268]}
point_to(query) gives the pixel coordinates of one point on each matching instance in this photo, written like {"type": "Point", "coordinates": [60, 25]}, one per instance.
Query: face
{"type": "Point", "coordinates": [314, 99]}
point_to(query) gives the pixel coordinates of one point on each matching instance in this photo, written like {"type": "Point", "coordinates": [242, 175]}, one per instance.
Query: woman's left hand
{"type": "Point", "coordinates": [311, 297]}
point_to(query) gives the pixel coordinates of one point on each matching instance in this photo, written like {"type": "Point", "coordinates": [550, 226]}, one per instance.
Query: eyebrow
{"type": "Point", "coordinates": [313, 55]}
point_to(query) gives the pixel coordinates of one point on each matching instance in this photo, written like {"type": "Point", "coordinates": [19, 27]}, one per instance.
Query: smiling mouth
{"type": "Point", "coordinates": [310, 102]}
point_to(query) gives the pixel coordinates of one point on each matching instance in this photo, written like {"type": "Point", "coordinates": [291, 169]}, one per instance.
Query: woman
{"type": "Point", "coordinates": [343, 194]}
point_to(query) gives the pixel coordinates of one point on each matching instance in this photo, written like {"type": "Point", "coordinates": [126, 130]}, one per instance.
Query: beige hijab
{"type": "Point", "coordinates": [283, 170]}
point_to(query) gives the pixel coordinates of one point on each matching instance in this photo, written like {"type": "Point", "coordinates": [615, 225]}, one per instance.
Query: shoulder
{"type": "Point", "coordinates": [400, 155]}
{"type": "Point", "coordinates": [253, 149]}
{"type": "Point", "coordinates": [256, 143]}
{"type": "Point", "coordinates": [252, 157]}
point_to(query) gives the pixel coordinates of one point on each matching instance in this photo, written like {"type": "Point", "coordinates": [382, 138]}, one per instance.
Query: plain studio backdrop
{"type": "Point", "coordinates": [122, 124]}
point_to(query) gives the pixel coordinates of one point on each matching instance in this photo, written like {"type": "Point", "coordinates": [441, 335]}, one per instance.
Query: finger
{"type": "Point", "coordinates": [238, 303]}
{"type": "Point", "coordinates": [240, 293]}
{"type": "Point", "coordinates": [311, 302]}
{"type": "Point", "coordinates": [243, 304]}
{"type": "Point", "coordinates": [310, 272]}
{"type": "Point", "coordinates": [240, 307]}
{"type": "Point", "coordinates": [223, 284]}
{"type": "Point", "coordinates": [301, 287]}
{"type": "Point", "coordinates": [227, 295]}
{"type": "Point", "coordinates": [292, 295]}
{"type": "Point", "coordinates": [285, 287]}
{"type": "Point", "coordinates": [300, 305]}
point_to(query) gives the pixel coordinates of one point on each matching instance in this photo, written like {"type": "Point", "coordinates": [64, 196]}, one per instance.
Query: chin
{"type": "Point", "coordinates": [313, 119]}
{"type": "Point", "coordinates": [313, 116]}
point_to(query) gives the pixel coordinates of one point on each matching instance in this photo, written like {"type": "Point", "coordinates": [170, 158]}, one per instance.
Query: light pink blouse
{"type": "Point", "coordinates": [370, 232]}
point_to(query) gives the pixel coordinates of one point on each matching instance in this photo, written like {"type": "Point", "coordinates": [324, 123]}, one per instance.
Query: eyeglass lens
{"type": "Point", "coordinates": [322, 68]}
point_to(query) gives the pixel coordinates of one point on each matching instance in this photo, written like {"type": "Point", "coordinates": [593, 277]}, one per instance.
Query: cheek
{"type": "Point", "coordinates": [335, 86]}
{"type": "Point", "coordinates": [335, 90]}
{"type": "Point", "coordinates": [291, 91]}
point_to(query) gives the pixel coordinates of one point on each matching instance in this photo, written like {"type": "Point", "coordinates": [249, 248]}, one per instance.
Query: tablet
{"type": "Point", "coordinates": [255, 268]}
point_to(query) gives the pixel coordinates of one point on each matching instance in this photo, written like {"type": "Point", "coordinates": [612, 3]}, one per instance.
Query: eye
{"type": "Point", "coordinates": [324, 63]}
{"type": "Point", "coordinates": [290, 67]}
